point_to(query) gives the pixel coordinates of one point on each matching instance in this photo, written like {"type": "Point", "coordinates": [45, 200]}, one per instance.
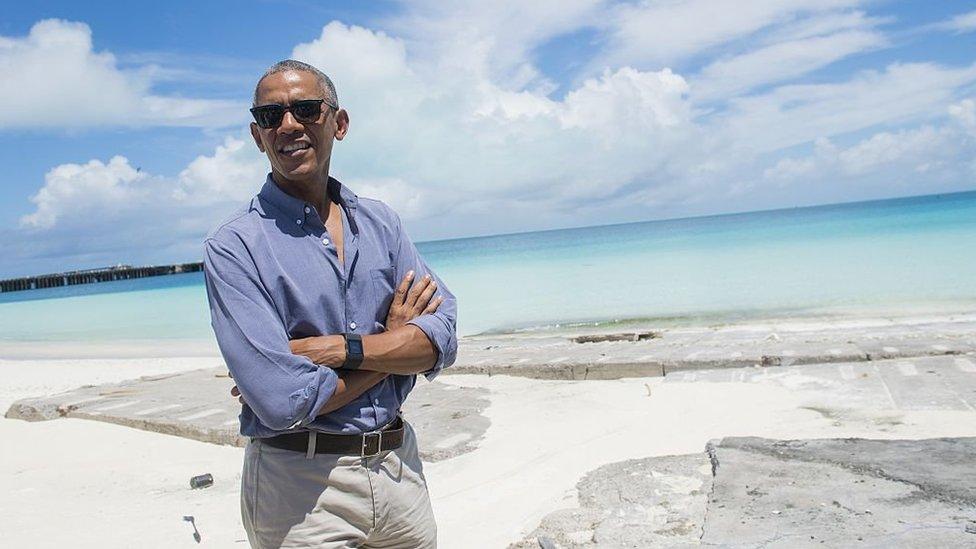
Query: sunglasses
{"type": "Point", "coordinates": [306, 111]}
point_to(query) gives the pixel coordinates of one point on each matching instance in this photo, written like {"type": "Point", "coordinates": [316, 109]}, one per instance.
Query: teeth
{"type": "Point", "coordinates": [294, 147]}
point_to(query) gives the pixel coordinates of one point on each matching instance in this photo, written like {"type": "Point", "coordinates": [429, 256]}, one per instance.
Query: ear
{"type": "Point", "coordinates": [256, 134]}
{"type": "Point", "coordinates": [342, 124]}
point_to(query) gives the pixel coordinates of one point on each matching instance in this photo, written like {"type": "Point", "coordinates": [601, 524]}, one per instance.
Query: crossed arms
{"type": "Point", "coordinates": [402, 349]}
{"type": "Point", "coordinates": [288, 383]}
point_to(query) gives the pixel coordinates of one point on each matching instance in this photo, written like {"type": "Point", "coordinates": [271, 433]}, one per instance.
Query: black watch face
{"type": "Point", "coordinates": [355, 347]}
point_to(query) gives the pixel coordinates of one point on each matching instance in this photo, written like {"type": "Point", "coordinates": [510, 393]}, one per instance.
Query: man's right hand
{"type": "Point", "coordinates": [410, 302]}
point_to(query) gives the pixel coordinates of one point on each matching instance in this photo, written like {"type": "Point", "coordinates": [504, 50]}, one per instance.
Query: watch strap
{"type": "Point", "coordinates": [354, 351]}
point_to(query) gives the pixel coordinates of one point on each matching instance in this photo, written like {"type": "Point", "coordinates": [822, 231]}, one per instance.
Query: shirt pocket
{"type": "Point", "coordinates": [382, 285]}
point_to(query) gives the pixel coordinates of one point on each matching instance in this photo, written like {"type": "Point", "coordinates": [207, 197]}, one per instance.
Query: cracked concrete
{"type": "Point", "coordinates": [197, 405]}
{"type": "Point", "coordinates": [581, 353]}
{"type": "Point", "coordinates": [840, 492]}
{"type": "Point", "coordinates": [753, 492]}
{"type": "Point", "coordinates": [652, 502]}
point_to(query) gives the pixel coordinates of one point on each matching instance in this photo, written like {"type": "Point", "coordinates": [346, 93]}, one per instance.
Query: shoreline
{"type": "Point", "coordinates": [812, 319]}
{"type": "Point", "coordinates": [902, 313]}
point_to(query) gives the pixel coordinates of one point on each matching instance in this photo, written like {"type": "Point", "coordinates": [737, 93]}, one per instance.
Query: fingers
{"type": "Point", "coordinates": [401, 291]}
{"type": "Point", "coordinates": [417, 290]}
{"type": "Point", "coordinates": [433, 305]}
{"type": "Point", "coordinates": [234, 391]}
{"type": "Point", "coordinates": [425, 296]}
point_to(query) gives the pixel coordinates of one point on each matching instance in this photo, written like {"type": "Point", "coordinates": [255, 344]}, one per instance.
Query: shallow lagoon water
{"type": "Point", "coordinates": [910, 253]}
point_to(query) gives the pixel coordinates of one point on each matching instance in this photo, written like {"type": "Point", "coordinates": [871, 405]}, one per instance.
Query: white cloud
{"type": "Point", "coordinates": [813, 45]}
{"type": "Point", "coordinates": [659, 33]}
{"type": "Point", "coordinates": [232, 173]}
{"type": "Point", "coordinates": [80, 189]}
{"type": "Point", "coordinates": [964, 112]}
{"type": "Point", "coordinates": [458, 134]}
{"type": "Point", "coordinates": [494, 39]}
{"type": "Point", "coordinates": [964, 22]}
{"type": "Point", "coordinates": [53, 78]}
{"type": "Point", "coordinates": [796, 114]}
{"type": "Point", "coordinates": [884, 158]}
{"type": "Point", "coordinates": [99, 206]}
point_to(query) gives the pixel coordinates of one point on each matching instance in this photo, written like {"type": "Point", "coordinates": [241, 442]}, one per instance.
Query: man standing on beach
{"type": "Point", "coordinates": [323, 344]}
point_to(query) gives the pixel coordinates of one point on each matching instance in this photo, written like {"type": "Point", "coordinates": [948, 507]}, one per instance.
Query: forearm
{"type": "Point", "coordinates": [405, 350]}
{"type": "Point", "coordinates": [351, 385]}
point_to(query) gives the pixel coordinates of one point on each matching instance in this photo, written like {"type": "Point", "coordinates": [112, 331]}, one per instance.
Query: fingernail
{"type": "Point", "coordinates": [409, 274]}
{"type": "Point", "coordinates": [426, 277]}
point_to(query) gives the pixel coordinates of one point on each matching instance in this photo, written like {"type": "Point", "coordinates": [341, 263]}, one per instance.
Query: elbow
{"type": "Point", "coordinates": [450, 351]}
{"type": "Point", "coordinates": [279, 415]}
{"type": "Point", "coordinates": [278, 422]}
{"type": "Point", "coordinates": [288, 411]}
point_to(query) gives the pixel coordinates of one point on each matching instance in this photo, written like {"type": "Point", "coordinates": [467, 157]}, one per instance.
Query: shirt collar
{"type": "Point", "coordinates": [294, 208]}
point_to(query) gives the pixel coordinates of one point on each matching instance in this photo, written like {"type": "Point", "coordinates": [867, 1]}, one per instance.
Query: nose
{"type": "Point", "coordinates": [289, 124]}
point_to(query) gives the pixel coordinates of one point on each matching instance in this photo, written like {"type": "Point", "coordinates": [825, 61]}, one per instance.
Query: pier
{"type": "Point", "coordinates": [90, 276]}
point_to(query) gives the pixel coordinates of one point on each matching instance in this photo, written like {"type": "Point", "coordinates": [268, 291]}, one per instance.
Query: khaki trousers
{"type": "Point", "coordinates": [288, 500]}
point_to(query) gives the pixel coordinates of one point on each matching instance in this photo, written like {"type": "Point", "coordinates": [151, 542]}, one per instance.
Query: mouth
{"type": "Point", "coordinates": [297, 148]}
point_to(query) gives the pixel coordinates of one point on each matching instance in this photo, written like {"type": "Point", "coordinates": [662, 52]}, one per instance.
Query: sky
{"type": "Point", "coordinates": [123, 127]}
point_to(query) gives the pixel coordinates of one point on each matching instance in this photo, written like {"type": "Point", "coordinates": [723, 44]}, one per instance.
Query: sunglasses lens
{"type": "Point", "coordinates": [269, 116]}
{"type": "Point", "coordinates": [307, 111]}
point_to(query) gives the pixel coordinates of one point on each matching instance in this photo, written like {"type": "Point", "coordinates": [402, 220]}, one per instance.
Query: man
{"type": "Point", "coordinates": [322, 347]}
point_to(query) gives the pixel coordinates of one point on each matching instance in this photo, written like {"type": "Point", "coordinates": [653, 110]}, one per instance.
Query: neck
{"type": "Point", "coordinates": [314, 191]}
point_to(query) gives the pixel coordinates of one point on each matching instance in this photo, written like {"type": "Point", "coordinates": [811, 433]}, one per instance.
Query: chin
{"type": "Point", "coordinates": [301, 171]}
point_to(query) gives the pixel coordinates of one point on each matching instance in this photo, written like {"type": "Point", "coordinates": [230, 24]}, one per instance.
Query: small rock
{"type": "Point", "coordinates": [201, 481]}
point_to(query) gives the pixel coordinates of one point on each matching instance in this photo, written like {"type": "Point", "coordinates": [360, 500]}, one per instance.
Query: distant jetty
{"type": "Point", "coordinates": [89, 276]}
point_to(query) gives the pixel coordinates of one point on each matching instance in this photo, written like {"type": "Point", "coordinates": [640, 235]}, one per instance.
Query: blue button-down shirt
{"type": "Point", "coordinates": [273, 274]}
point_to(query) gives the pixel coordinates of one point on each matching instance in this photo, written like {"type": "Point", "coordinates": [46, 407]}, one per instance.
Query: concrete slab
{"type": "Point", "coordinates": [844, 391]}
{"type": "Point", "coordinates": [653, 502]}
{"type": "Point", "coordinates": [197, 405]}
{"type": "Point", "coordinates": [558, 354]}
{"type": "Point", "coordinates": [753, 492]}
{"type": "Point", "coordinates": [839, 493]}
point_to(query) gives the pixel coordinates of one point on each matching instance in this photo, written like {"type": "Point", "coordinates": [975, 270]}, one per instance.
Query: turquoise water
{"type": "Point", "coordinates": [904, 253]}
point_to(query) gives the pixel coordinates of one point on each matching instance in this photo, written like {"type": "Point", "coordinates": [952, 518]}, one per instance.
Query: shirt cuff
{"type": "Point", "coordinates": [308, 401]}
{"type": "Point", "coordinates": [443, 339]}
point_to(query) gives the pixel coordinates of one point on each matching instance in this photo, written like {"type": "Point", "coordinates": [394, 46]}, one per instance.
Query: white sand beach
{"type": "Point", "coordinates": [83, 484]}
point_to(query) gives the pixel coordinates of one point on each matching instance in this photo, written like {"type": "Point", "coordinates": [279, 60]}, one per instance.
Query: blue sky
{"type": "Point", "coordinates": [122, 127]}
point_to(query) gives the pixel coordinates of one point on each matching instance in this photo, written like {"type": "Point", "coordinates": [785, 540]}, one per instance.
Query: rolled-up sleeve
{"type": "Point", "coordinates": [440, 327]}
{"type": "Point", "coordinates": [284, 390]}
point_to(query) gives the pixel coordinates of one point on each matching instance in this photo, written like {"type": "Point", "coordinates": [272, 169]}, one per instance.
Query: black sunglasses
{"type": "Point", "coordinates": [306, 111]}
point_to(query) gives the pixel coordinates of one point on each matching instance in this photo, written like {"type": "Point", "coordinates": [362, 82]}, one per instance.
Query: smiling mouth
{"type": "Point", "coordinates": [294, 149]}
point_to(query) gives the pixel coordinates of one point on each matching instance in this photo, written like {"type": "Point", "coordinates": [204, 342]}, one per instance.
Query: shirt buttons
{"type": "Point", "coordinates": [298, 222]}
{"type": "Point", "coordinates": [308, 210]}
{"type": "Point", "coordinates": [352, 325]}
{"type": "Point", "coordinates": [325, 241]}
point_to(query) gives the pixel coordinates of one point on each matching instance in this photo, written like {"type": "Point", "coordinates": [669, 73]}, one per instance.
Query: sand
{"type": "Point", "coordinates": [76, 483]}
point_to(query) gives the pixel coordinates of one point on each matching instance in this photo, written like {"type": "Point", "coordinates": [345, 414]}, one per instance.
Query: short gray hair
{"type": "Point", "coordinates": [291, 65]}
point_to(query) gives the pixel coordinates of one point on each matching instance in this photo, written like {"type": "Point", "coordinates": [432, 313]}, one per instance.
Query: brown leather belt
{"type": "Point", "coordinates": [388, 437]}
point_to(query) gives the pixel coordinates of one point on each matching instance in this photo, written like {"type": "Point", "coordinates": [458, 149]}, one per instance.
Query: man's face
{"type": "Point", "coordinates": [299, 152]}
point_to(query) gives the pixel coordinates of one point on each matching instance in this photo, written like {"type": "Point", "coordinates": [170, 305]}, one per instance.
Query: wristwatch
{"type": "Point", "coordinates": [354, 351]}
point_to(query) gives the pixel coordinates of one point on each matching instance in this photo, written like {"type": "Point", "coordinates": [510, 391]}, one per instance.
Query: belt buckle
{"type": "Point", "coordinates": [367, 437]}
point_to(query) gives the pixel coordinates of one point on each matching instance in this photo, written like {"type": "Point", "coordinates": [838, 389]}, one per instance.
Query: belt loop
{"type": "Point", "coordinates": [310, 453]}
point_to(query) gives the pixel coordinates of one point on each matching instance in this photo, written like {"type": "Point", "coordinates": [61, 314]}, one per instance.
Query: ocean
{"type": "Point", "coordinates": [883, 256]}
